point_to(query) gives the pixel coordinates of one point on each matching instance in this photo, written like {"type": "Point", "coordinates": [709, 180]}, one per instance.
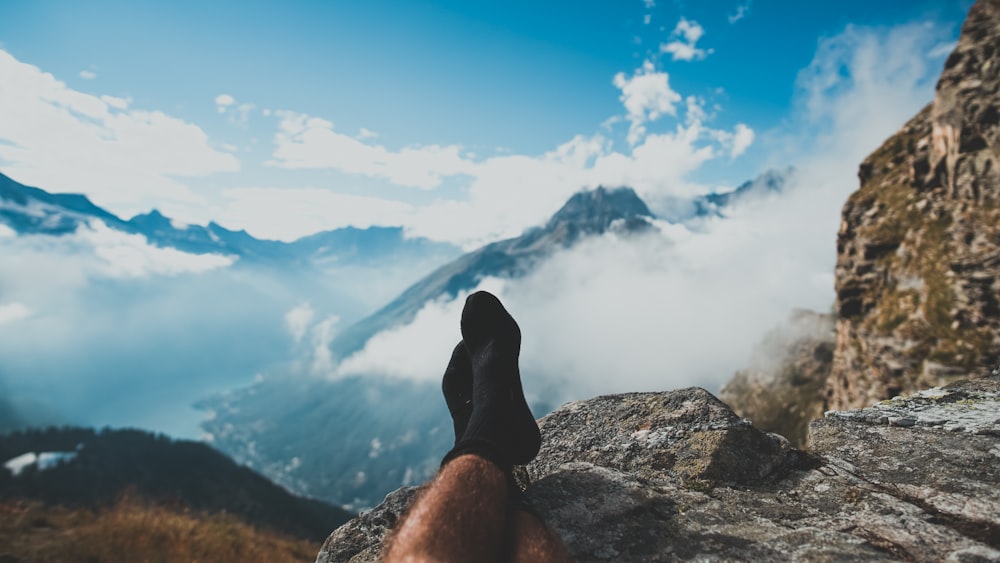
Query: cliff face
{"type": "Point", "coordinates": [677, 476]}
{"type": "Point", "coordinates": [918, 252]}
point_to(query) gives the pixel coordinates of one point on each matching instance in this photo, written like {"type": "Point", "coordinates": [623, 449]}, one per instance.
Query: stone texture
{"type": "Point", "coordinates": [918, 252]}
{"type": "Point", "coordinates": [677, 476]}
{"type": "Point", "coordinates": [360, 540]}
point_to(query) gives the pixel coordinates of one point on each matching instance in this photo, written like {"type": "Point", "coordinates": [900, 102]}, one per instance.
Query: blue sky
{"type": "Point", "coordinates": [462, 120]}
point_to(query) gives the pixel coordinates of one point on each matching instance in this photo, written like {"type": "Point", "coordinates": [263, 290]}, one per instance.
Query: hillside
{"type": "Point", "coordinates": [86, 469]}
{"type": "Point", "coordinates": [134, 530]}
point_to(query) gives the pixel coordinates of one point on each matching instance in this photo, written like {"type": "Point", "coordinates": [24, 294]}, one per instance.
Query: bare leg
{"type": "Point", "coordinates": [465, 514]}
{"type": "Point", "coordinates": [534, 541]}
{"type": "Point", "coordinates": [460, 517]}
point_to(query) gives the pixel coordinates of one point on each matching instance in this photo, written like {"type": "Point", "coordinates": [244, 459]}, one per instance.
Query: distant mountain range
{"type": "Point", "coordinates": [351, 440]}
{"type": "Point", "coordinates": [29, 210]}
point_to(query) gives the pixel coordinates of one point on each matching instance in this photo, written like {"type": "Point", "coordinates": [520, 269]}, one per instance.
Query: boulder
{"type": "Point", "coordinates": [677, 476]}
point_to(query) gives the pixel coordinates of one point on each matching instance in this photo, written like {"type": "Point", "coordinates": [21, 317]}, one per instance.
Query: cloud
{"type": "Point", "coordinates": [742, 139]}
{"type": "Point", "coordinates": [310, 142]}
{"type": "Point", "coordinates": [237, 114]}
{"type": "Point", "coordinates": [223, 101]}
{"type": "Point", "coordinates": [116, 103]}
{"type": "Point", "coordinates": [12, 312]}
{"type": "Point", "coordinates": [69, 141]}
{"type": "Point", "coordinates": [942, 49]}
{"type": "Point", "coordinates": [862, 85]}
{"type": "Point", "coordinates": [646, 96]}
{"type": "Point", "coordinates": [742, 11]}
{"type": "Point", "coordinates": [121, 255]}
{"type": "Point", "coordinates": [687, 34]}
{"type": "Point", "coordinates": [649, 4]}
{"type": "Point", "coordinates": [511, 193]}
{"type": "Point", "coordinates": [415, 350]}
{"type": "Point", "coordinates": [686, 307]}
{"type": "Point", "coordinates": [263, 211]}
{"type": "Point", "coordinates": [366, 134]}
{"type": "Point", "coordinates": [298, 320]}
{"type": "Point", "coordinates": [87, 75]}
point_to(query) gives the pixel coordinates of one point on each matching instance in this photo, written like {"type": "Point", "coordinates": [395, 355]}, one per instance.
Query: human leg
{"type": "Point", "coordinates": [461, 516]}
{"type": "Point", "coordinates": [466, 514]}
{"type": "Point", "coordinates": [533, 541]}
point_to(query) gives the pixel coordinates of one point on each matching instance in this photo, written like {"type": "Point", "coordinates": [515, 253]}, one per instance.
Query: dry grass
{"type": "Point", "coordinates": [135, 531]}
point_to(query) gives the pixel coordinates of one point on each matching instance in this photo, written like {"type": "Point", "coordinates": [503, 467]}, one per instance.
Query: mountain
{"type": "Point", "coordinates": [918, 273]}
{"type": "Point", "coordinates": [918, 252]}
{"type": "Point", "coordinates": [357, 438]}
{"type": "Point", "coordinates": [29, 210]}
{"type": "Point", "coordinates": [83, 468]}
{"type": "Point", "coordinates": [585, 214]}
{"type": "Point", "coordinates": [32, 210]}
{"type": "Point", "coordinates": [688, 211]}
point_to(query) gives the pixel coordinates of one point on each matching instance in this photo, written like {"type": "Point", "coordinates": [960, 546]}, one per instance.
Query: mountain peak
{"type": "Point", "coordinates": [595, 210]}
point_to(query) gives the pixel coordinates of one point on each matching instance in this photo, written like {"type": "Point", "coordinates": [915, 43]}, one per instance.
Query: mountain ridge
{"type": "Point", "coordinates": [31, 210]}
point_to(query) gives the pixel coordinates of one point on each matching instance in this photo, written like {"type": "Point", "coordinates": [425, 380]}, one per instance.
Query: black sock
{"type": "Point", "coordinates": [501, 428]}
{"type": "Point", "coordinates": [457, 387]}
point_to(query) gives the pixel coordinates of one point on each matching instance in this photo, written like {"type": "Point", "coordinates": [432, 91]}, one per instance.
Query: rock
{"type": "Point", "coordinates": [781, 390]}
{"type": "Point", "coordinates": [678, 476]}
{"type": "Point", "coordinates": [918, 252]}
{"type": "Point", "coordinates": [360, 540]}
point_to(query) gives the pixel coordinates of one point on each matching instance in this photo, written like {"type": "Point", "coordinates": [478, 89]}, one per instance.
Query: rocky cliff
{"type": "Point", "coordinates": [677, 476]}
{"type": "Point", "coordinates": [781, 390]}
{"type": "Point", "coordinates": [918, 252]}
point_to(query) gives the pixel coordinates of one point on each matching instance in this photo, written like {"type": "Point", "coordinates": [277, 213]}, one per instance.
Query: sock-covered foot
{"type": "Point", "coordinates": [457, 388]}
{"type": "Point", "coordinates": [500, 414]}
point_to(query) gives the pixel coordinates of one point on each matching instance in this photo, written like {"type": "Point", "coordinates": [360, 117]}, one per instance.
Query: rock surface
{"type": "Point", "coordinates": [677, 476]}
{"type": "Point", "coordinates": [918, 252]}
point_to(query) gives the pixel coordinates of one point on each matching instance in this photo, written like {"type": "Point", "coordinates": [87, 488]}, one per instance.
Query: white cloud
{"type": "Point", "coordinates": [116, 103]}
{"type": "Point", "coordinates": [222, 101]}
{"type": "Point", "coordinates": [862, 85]}
{"type": "Point", "coordinates": [237, 114]}
{"type": "Point", "coordinates": [122, 255]}
{"type": "Point", "coordinates": [942, 49]}
{"type": "Point", "coordinates": [742, 139]}
{"type": "Point", "coordinates": [647, 19]}
{"type": "Point", "coordinates": [742, 11]}
{"type": "Point", "coordinates": [415, 350]}
{"type": "Point", "coordinates": [69, 141]}
{"type": "Point", "coordinates": [650, 4]}
{"type": "Point", "coordinates": [310, 142]}
{"type": "Point", "coordinates": [322, 335]}
{"type": "Point", "coordinates": [298, 320]}
{"type": "Point", "coordinates": [646, 96]}
{"type": "Point", "coordinates": [88, 75]}
{"type": "Point", "coordinates": [12, 312]}
{"type": "Point", "coordinates": [687, 307]}
{"type": "Point", "coordinates": [687, 34]}
{"type": "Point", "coordinates": [366, 134]}
{"type": "Point", "coordinates": [290, 213]}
